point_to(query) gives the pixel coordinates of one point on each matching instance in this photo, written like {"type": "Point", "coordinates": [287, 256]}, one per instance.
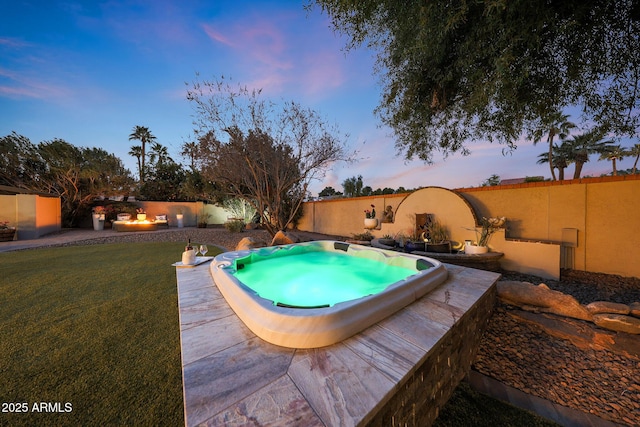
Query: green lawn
{"type": "Point", "coordinates": [94, 328]}
{"type": "Point", "coordinates": [468, 408]}
{"type": "Point", "coordinates": [93, 332]}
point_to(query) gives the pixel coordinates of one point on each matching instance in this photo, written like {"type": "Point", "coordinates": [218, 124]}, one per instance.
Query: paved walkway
{"type": "Point", "coordinates": [64, 236]}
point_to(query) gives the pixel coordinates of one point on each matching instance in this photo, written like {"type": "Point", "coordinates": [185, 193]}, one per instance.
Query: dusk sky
{"type": "Point", "coordinates": [88, 72]}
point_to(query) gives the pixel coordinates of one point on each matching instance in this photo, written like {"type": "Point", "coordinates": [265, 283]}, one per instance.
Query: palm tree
{"type": "Point", "coordinates": [635, 151]}
{"type": "Point", "coordinates": [159, 154]}
{"type": "Point", "coordinates": [190, 151]}
{"type": "Point", "coordinates": [144, 135]}
{"type": "Point", "coordinates": [613, 153]}
{"type": "Point", "coordinates": [136, 151]}
{"type": "Point", "coordinates": [561, 158]}
{"type": "Point", "coordinates": [582, 146]}
{"type": "Point", "coordinates": [560, 126]}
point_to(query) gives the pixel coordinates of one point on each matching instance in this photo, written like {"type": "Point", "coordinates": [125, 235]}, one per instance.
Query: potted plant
{"type": "Point", "coordinates": [141, 215]}
{"type": "Point", "coordinates": [400, 238]}
{"type": "Point", "coordinates": [370, 220]}
{"type": "Point", "coordinates": [362, 238]}
{"type": "Point", "coordinates": [488, 226]}
{"type": "Point", "coordinates": [98, 216]}
{"type": "Point", "coordinates": [6, 233]}
{"type": "Point", "coordinates": [387, 240]}
{"type": "Point", "coordinates": [414, 237]}
{"type": "Point", "coordinates": [123, 216]}
{"type": "Point", "coordinates": [415, 241]}
{"type": "Point", "coordinates": [438, 237]}
{"type": "Point", "coordinates": [203, 220]}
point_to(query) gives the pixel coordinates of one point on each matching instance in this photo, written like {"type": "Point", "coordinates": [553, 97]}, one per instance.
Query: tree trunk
{"type": "Point", "coordinates": [581, 158]}
{"type": "Point", "coordinates": [553, 173]}
{"type": "Point", "coordinates": [142, 163]}
{"type": "Point", "coordinates": [578, 171]}
{"type": "Point", "coordinates": [615, 170]}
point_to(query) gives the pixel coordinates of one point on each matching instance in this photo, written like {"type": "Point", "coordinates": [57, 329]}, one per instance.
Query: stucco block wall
{"type": "Point", "coordinates": [344, 217]}
{"type": "Point", "coordinates": [49, 218]}
{"type": "Point", "coordinates": [605, 212]}
{"type": "Point", "coordinates": [192, 212]}
{"type": "Point", "coordinates": [612, 228]}
{"type": "Point", "coordinates": [527, 209]}
{"type": "Point", "coordinates": [538, 258]}
{"type": "Point", "coordinates": [8, 209]}
{"type": "Point", "coordinates": [453, 211]}
{"type": "Point", "coordinates": [31, 214]}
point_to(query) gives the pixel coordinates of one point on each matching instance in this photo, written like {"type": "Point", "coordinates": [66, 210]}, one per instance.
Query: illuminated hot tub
{"type": "Point", "coordinates": [314, 294]}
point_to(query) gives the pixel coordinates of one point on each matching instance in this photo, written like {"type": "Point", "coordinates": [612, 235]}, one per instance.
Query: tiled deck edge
{"type": "Point", "coordinates": [231, 376]}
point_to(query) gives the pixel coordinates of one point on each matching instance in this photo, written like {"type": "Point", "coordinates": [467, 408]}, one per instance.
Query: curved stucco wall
{"type": "Point", "coordinates": [446, 206]}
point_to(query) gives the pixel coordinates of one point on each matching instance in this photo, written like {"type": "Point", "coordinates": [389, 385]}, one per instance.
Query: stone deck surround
{"type": "Point", "coordinates": [400, 370]}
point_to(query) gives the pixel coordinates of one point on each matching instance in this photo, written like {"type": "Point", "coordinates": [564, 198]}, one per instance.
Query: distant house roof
{"type": "Point", "coordinates": [519, 180]}
{"type": "Point", "coordinates": [12, 191]}
{"type": "Point", "coordinates": [512, 181]}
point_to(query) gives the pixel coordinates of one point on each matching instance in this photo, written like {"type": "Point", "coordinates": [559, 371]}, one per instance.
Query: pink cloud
{"type": "Point", "coordinates": [14, 92]}
{"type": "Point", "coordinates": [143, 25]}
{"type": "Point", "coordinates": [323, 70]}
{"type": "Point", "coordinates": [29, 87]}
{"type": "Point", "coordinates": [216, 36]}
{"type": "Point", "coordinates": [271, 84]}
{"type": "Point", "coordinates": [13, 43]}
{"type": "Point", "coordinates": [263, 44]}
{"type": "Point", "coordinates": [280, 60]}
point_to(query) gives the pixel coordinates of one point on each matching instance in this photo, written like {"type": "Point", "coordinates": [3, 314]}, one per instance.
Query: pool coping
{"type": "Point", "coordinates": [230, 376]}
{"type": "Point", "coordinates": [321, 326]}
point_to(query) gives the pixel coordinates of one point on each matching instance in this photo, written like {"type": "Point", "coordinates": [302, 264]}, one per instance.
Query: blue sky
{"type": "Point", "coordinates": [89, 71]}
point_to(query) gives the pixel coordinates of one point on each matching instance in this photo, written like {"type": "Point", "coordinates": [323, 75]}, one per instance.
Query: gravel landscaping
{"type": "Point", "coordinates": [210, 236]}
{"type": "Point", "coordinates": [523, 356]}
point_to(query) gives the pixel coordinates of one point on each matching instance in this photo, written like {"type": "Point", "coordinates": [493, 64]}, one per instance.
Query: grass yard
{"type": "Point", "coordinates": [89, 335]}
{"type": "Point", "coordinates": [92, 330]}
{"type": "Point", "coordinates": [468, 408]}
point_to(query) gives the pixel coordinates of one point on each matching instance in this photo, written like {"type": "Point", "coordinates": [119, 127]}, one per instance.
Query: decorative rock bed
{"type": "Point", "coordinates": [609, 315]}
{"type": "Point", "coordinates": [542, 351]}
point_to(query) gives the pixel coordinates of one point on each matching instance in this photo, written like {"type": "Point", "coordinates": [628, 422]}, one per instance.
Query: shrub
{"type": "Point", "coordinates": [235, 225]}
{"type": "Point", "coordinates": [363, 236]}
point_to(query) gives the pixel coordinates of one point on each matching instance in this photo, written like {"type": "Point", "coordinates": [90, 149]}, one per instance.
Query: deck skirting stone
{"type": "Point", "coordinates": [418, 401]}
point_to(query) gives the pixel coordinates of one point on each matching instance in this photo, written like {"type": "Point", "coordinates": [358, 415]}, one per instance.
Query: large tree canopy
{"type": "Point", "coordinates": [77, 175]}
{"type": "Point", "coordinates": [260, 151]}
{"type": "Point", "coordinates": [455, 71]}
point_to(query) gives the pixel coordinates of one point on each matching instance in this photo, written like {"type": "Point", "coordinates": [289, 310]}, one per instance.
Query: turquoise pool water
{"type": "Point", "coordinates": [318, 279]}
